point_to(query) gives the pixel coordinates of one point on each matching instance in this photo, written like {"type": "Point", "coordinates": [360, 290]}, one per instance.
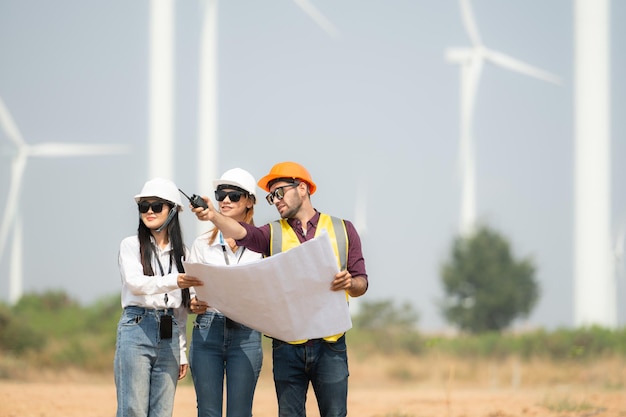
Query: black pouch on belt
{"type": "Point", "coordinates": [165, 327]}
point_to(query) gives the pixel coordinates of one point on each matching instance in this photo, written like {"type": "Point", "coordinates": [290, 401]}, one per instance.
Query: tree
{"type": "Point", "coordinates": [486, 288]}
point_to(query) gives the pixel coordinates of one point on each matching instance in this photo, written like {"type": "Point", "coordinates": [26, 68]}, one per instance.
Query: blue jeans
{"type": "Point", "coordinates": [324, 364]}
{"type": "Point", "coordinates": [220, 347]}
{"type": "Point", "coordinates": [145, 366]}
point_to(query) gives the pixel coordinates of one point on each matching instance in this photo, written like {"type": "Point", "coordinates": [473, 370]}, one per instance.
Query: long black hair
{"type": "Point", "coordinates": [175, 235]}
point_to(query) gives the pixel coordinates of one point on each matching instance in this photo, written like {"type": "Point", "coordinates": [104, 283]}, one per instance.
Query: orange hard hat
{"type": "Point", "coordinates": [287, 170]}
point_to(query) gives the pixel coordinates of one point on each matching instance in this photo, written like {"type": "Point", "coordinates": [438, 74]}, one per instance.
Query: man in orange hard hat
{"type": "Point", "coordinates": [322, 362]}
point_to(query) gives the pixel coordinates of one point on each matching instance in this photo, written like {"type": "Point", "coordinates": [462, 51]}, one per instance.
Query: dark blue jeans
{"type": "Point", "coordinates": [323, 364]}
{"type": "Point", "coordinates": [224, 353]}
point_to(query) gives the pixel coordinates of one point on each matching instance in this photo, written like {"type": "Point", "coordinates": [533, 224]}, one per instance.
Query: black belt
{"type": "Point", "coordinates": [147, 310]}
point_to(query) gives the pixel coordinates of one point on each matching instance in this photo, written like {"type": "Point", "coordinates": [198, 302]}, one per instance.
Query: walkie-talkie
{"type": "Point", "coordinates": [195, 200]}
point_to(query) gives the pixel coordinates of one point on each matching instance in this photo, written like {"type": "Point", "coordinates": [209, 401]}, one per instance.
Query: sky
{"type": "Point", "coordinates": [375, 109]}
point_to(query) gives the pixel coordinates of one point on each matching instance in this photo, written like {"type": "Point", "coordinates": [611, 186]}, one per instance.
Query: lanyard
{"type": "Point", "coordinates": [169, 271]}
{"type": "Point", "coordinates": [224, 250]}
{"type": "Point", "coordinates": [156, 255]}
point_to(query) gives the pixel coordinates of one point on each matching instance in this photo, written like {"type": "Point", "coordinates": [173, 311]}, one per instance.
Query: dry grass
{"type": "Point", "coordinates": [380, 386]}
{"type": "Point", "coordinates": [431, 370]}
{"type": "Point", "coordinates": [436, 370]}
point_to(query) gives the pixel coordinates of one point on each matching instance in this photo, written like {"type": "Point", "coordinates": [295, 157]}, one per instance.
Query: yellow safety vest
{"type": "Point", "coordinates": [283, 238]}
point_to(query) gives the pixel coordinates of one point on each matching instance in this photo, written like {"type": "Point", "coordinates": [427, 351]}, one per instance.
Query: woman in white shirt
{"type": "Point", "coordinates": [221, 347]}
{"type": "Point", "coordinates": [150, 353]}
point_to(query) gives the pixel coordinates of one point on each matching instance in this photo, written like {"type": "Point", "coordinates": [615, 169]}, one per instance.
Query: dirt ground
{"type": "Point", "coordinates": [377, 389]}
{"type": "Point", "coordinates": [32, 399]}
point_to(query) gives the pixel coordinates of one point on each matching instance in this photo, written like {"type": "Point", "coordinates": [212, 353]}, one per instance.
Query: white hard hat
{"type": "Point", "coordinates": [163, 189]}
{"type": "Point", "coordinates": [239, 178]}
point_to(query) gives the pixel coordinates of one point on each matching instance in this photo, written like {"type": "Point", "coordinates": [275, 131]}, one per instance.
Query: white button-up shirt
{"type": "Point", "coordinates": [149, 291]}
{"type": "Point", "coordinates": [213, 254]}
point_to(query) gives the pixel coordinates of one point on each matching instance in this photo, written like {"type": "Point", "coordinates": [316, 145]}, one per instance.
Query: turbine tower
{"type": "Point", "coordinates": [208, 149]}
{"type": "Point", "coordinates": [11, 221]}
{"type": "Point", "coordinates": [161, 101]}
{"type": "Point", "coordinates": [208, 139]}
{"type": "Point", "coordinates": [594, 280]}
{"type": "Point", "coordinates": [471, 59]}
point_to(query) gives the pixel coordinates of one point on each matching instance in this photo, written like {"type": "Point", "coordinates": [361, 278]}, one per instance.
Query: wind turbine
{"type": "Point", "coordinates": [595, 301]}
{"type": "Point", "coordinates": [472, 59]}
{"type": "Point", "coordinates": [207, 103]}
{"type": "Point", "coordinates": [11, 220]}
{"type": "Point", "coordinates": [318, 17]}
{"type": "Point", "coordinates": [161, 101]}
{"type": "Point", "coordinates": [208, 148]}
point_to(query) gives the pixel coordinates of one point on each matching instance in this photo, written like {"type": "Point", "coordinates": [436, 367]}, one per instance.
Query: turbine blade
{"type": "Point", "coordinates": [513, 64]}
{"type": "Point", "coordinates": [318, 18]}
{"type": "Point", "coordinates": [9, 126]}
{"type": "Point", "coordinates": [17, 171]}
{"type": "Point", "coordinates": [49, 150]}
{"type": "Point", "coordinates": [470, 22]}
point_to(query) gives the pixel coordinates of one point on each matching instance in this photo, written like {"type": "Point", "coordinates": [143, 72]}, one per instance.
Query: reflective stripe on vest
{"type": "Point", "coordinates": [283, 238]}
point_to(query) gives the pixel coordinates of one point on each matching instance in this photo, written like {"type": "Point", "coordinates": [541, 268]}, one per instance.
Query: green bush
{"type": "Point", "coordinates": [16, 335]}
{"type": "Point", "coordinates": [52, 330]}
{"type": "Point", "coordinates": [53, 313]}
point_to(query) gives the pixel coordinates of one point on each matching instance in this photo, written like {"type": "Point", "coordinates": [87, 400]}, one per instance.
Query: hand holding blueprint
{"type": "Point", "coordinates": [286, 296]}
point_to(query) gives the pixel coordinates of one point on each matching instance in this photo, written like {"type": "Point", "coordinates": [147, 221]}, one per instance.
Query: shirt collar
{"type": "Point", "coordinates": [166, 249]}
{"type": "Point", "coordinates": [311, 223]}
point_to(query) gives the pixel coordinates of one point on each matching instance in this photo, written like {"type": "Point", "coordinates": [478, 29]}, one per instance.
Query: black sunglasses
{"type": "Point", "coordinates": [279, 193]}
{"type": "Point", "coordinates": [233, 196]}
{"type": "Point", "coordinates": [156, 207]}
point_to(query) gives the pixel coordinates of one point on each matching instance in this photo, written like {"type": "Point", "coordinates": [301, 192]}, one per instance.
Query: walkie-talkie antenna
{"type": "Point", "coordinates": [195, 200]}
{"type": "Point", "coordinates": [188, 198]}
